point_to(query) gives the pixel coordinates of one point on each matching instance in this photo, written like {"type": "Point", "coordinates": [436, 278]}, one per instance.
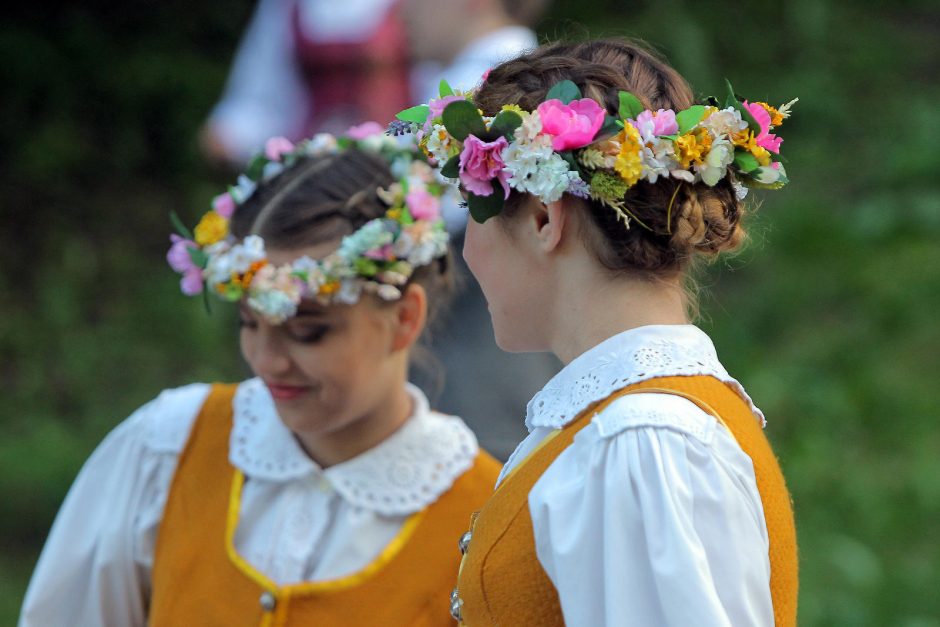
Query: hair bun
{"type": "Point", "coordinates": [707, 220]}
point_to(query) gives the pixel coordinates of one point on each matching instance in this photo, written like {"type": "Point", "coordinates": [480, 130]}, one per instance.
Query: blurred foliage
{"type": "Point", "coordinates": [828, 317]}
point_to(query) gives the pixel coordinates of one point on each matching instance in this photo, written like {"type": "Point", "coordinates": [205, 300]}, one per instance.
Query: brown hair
{"type": "Point", "coordinates": [322, 198]}
{"type": "Point", "coordinates": [703, 220]}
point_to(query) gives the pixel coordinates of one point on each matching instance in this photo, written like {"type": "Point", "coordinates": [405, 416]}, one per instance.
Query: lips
{"type": "Point", "coordinates": [282, 392]}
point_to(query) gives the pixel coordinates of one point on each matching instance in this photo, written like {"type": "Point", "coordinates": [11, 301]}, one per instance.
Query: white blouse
{"type": "Point", "coordinates": [652, 515]}
{"type": "Point", "coordinates": [298, 522]}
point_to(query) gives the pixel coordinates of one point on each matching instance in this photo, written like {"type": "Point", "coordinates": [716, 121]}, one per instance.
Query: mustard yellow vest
{"type": "Point", "coordinates": [501, 581]}
{"type": "Point", "coordinates": [199, 579]}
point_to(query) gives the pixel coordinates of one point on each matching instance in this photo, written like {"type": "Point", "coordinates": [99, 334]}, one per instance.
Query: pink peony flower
{"type": "Point", "coordinates": [423, 205]}
{"type": "Point", "coordinates": [480, 163]}
{"type": "Point", "coordinates": [224, 205]}
{"type": "Point", "coordinates": [437, 105]}
{"type": "Point", "coordinates": [364, 130]}
{"type": "Point", "coordinates": [191, 283]}
{"type": "Point", "coordinates": [765, 139]}
{"type": "Point", "coordinates": [178, 255]}
{"type": "Point", "coordinates": [571, 125]}
{"type": "Point", "coordinates": [277, 146]}
{"type": "Point", "coordinates": [652, 125]}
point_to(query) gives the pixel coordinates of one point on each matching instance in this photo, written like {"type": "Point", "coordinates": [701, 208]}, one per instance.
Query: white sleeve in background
{"type": "Point", "coordinates": [652, 517]}
{"type": "Point", "coordinates": [265, 94]}
{"type": "Point", "coordinates": [95, 566]}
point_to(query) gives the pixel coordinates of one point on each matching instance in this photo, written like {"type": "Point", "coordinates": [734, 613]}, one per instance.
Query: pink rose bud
{"type": "Point", "coordinates": [480, 163]}
{"type": "Point", "coordinates": [178, 255]}
{"type": "Point", "coordinates": [571, 125]}
{"type": "Point", "coordinates": [364, 130]}
{"type": "Point", "coordinates": [191, 283]}
{"type": "Point", "coordinates": [423, 205]}
{"type": "Point", "coordinates": [224, 205]}
{"type": "Point", "coordinates": [275, 147]}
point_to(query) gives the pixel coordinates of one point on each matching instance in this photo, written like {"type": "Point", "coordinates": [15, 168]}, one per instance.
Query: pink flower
{"type": "Point", "coordinates": [191, 283]}
{"type": "Point", "coordinates": [571, 125]}
{"type": "Point", "coordinates": [423, 205]}
{"type": "Point", "coordinates": [765, 139]}
{"type": "Point", "coordinates": [275, 147]}
{"type": "Point", "coordinates": [486, 75]}
{"type": "Point", "coordinates": [364, 130]}
{"type": "Point", "coordinates": [652, 125]}
{"type": "Point", "coordinates": [383, 253]}
{"type": "Point", "coordinates": [224, 205]}
{"type": "Point", "coordinates": [178, 255]}
{"type": "Point", "coordinates": [437, 105]}
{"type": "Point", "coordinates": [480, 163]}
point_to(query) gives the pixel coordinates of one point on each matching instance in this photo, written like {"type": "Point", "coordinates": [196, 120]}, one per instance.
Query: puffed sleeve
{"type": "Point", "coordinates": [95, 566]}
{"type": "Point", "coordinates": [652, 517]}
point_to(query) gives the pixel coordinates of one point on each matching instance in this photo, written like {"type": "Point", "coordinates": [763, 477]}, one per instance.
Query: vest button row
{"type": "Point", "coordinates": [268, 601]}
{"type": "Point", "coordinates": [455, 604]}
{"type": "Point", "coordinates": [464, 542]}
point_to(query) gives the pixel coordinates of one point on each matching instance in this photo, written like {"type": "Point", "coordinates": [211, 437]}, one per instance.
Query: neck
{"type": "Point", "coordinates": [592, 307]}
{"type": "Point", "coordinates": [360, 434]}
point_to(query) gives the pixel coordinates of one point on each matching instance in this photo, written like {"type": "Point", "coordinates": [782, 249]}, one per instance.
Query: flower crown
{"type": "Point", "coordinates": [379, 257]}
{"type": "Point", "coordinates": [570, 144]}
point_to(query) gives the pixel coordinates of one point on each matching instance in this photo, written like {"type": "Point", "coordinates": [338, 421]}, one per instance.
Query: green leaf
{"type": "Point", "coordinates": [451, 169]}
{"type": "Point", "coordinates": [482, 208]}
{"type": "Point", "coordinates": [566, 91]}
{"type": "Point", "coordinates": [461, 119]}
{"type": "Point", "coordinates": [418, 115]}
{"type": "Point", "coordinates": [689, 118]}
{"type": "Point", "coordinates": [366, 267]}
{"type": "Point", "coordinates": [205, 299]}
{"type": "Point", "coordinates": [732, 101]}
{"type": "Point", "coordinates": [609, 128]}
{"type": "Point", "coordinates": [256, 167]}
{"type": "Point", "coordinates": [198, 257]}
{"type": "Point", "coordinates": [180, 227]}
{"type": "Point", "coordinates": [630, 106]}
{"type": "Point", "coordinates": [445, 89]}
{"type": "Point", "coordinates": [745, 161]}
{"type": "Point", "coordinates": [505, 124]}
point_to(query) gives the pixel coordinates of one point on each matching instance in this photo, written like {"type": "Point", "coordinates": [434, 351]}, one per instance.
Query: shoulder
{"type": "Point", "coordinates": [654, 411]}
{"type": "Point", "coordinates": [164, 423]}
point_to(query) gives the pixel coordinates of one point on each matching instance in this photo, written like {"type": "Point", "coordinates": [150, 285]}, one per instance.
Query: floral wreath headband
{"type": "Point", "coordinates": [380, 257]}
{"type": "Point", "coordinates": [570, 144]}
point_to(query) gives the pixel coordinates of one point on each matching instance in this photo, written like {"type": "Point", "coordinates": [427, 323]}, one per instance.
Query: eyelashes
{"type": "Point", "coordinates": [462, 204]}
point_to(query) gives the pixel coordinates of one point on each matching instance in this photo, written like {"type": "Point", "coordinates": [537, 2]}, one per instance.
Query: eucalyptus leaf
{"type": "Point", "coordinates": [482, 208]}
{"type": "Point", "coordinates": [445, 89]}
{"type": "Point", "coordinates": [180, 227]}
{"type": "Point", "coordinates": [256, 167]}
{"type": "Point", "coordinates": [630, 106]}
{"type": "Point", "coordinates": [462, 119]}
{"type": "Point", "coordinates": [745, 161]}
{"type": "Point", "coordinates": [505, 124]}
{"type": "Point", "coordinates": [451, 169]}
{"type": "Point", "coordinates": [418, 115]}
{"type": "Point", "coordinates": [689, 118]}
{"type": "Point", "coordinates": [566, 91]}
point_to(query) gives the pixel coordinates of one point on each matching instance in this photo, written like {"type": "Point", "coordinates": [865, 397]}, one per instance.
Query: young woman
{"type": "Point", "coordinates": [322, 492]}
{"type": "Point", "coordinates": [646, 492]}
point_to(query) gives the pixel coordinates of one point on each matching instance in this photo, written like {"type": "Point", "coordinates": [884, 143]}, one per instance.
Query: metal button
{"type": "Point", "coordinates": [455, 604]}
{"type": "Point", "coordinates": [464, 542]}
{"type": "Point", "coordinates": [268, 601]}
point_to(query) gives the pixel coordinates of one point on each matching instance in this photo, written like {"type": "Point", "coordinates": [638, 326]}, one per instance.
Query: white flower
{"type": "Point", "coordinates": [243, 189]}
{"type": "Point", "coordinates": [716, 162]}
{"type": "Point", "coordinates": [349, 292]}
{"type": "Point", "coordinates": [739, 190]}
{"type": "Point", "coordinates": [274, 305]}
{"type": "Point", "coordinates": [371, 235]}
{"type": "Point", "coordinates": [784, 110]}
{"type": "Point", "coordinates": [531, 126]}
{"type": "Point", "coordinates": [319, 144]}
{"type": "Point", "coordinates": [725, 122]}
{"type": "Point", "coordinates": [658, 159]}
{"type": "Point", "coordinates": [439, 143]}
{"type": "Point", "coordinates": [271, 169]}
{"type": "Point", "coordinates": [388, 292]}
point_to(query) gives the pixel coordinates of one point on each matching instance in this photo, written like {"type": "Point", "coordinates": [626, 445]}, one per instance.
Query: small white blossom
{"type": "Point", "coordinates": [716, 162]}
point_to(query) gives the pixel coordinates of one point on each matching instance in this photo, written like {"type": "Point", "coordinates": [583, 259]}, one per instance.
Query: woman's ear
{"type": "Point", "coordinates": [551, 223]}
{"type": "Point", "coordinates": [411, 313]}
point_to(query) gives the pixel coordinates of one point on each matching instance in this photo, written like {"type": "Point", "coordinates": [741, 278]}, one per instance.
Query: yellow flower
{"type": "Point", "coordinates": [746, 140]}
{"type": "Point", "coordinates": [211, 229]}
{"type": "Point", "coordinates": [692, 147]}
{"type": "Point", "coordinates": [776, 118]}
{"type": "Point", "coordinates": [512, 107]}
{"type": "Point", "coordinates": [329, 288]}
{"type": "Point", "coordinates": [628, 164]}
{"type": "Point", "coordinates": [393, 214]}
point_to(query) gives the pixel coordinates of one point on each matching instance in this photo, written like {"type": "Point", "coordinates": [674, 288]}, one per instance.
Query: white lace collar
{"type": "Point", "coordinates": [624, 359]}
{"type": "Point", "coordinates": [401, 475]}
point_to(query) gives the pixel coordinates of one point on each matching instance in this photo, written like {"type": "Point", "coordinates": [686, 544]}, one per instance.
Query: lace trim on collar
{"type": "Point", "coordinates": [624, 359]}
{"type": "Point", "coordinates": [403, 474]}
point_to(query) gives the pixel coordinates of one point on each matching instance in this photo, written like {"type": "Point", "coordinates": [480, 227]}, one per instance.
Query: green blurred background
{"type": "Point", "coordinates": [829, 317]}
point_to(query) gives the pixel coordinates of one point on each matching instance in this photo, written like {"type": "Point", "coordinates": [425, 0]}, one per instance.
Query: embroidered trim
{"type": "Point", "coordinates": [627, 358]}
